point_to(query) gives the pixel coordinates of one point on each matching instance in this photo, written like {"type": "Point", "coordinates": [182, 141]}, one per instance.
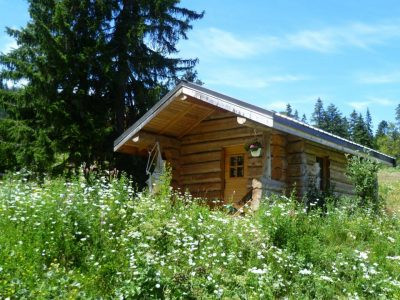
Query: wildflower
{"type": "Point", "coordinates": [257, 271]}
{"type": "Point", "coordinates": [158, 285]}
{"type": "Point", "coordinates": [326, 278]}
{"type": "Point", "coordinates": [392, 240]}
{"type": "Point", "coordinates": [305, 272]}
{"type": "Point", "coordinates": [393, 257]}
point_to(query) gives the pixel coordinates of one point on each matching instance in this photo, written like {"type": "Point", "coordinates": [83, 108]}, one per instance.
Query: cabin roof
{"type": "Point", "coordinates": [202, 101]}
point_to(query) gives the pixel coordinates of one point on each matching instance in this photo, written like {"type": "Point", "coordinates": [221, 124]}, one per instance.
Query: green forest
{"type": "Point", "coordinates": [355, 127]}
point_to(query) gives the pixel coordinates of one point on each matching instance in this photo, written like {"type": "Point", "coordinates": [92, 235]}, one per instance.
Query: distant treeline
{"type": "Point", "coordinates": [355, 127]}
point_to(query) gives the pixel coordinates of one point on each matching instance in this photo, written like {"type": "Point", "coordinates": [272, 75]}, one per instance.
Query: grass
{"type": "Point", "coordinates": [389, 181]}
{"type": "Point", "coordinates": [69, 239]}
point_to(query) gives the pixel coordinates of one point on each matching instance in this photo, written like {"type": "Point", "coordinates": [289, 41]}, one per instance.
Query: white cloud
{"type": "Point", "coordinates": [370, 102]}
{"type": "Point", "coordinates": [242, 79]}
{"type": "Point", "coordinates": [359, 105]}
{"type": "Point", "coordinates": [9, 45]}
{"type": "Point", "coordinates": [375, 78]}
{"type": "Point", "coordinates": [222, 43]}
{"type": "Point", "coordinates": [276, 105]}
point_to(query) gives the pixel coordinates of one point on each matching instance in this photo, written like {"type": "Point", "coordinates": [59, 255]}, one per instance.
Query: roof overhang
{"type": "Point", "coordinates": [206, 100]}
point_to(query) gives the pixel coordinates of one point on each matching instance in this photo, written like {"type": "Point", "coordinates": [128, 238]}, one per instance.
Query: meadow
{"type": "Point", "coordinates": [100, 238]}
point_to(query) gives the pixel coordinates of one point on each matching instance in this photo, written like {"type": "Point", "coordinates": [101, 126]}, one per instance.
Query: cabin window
{"type": "Point", "coordinates": [236, 166]}
{"type": "Point", "coordinates": [324, 173]}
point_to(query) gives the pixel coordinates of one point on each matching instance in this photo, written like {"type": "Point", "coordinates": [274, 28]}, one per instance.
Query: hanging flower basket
{"type": "Point", "coordinates": [256, 152]}
{"type": "Point", "coordinates": [254, 148]}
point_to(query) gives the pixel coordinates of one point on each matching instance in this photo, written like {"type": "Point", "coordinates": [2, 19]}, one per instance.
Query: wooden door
{"type": "Point", "coordinates": [235, 173]}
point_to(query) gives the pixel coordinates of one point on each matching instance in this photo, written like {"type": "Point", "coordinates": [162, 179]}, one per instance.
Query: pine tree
{"type": "Point", "coordinates": [352, 123]}
{"type": "Point", "coordinates": [289, 111]}
{"type": "Point", "coordinates": [334, 122]}
{"type": "Point", "coordinates": [398, 116]}
{"type": "Point", "coordinates": [360, 134]}
{"type": "Point", "coordinates": [304, 118]}
{"type": "Point", "coordinates": [92, 68]}
{"type": "Point", "coordinates": [318, 114]}
{"type": "Point", "coordinates": [296, 115]}
{"type": "Point", "coordinates": [370, 134]}
{"type": "Point", "coordinates": [382, 130]}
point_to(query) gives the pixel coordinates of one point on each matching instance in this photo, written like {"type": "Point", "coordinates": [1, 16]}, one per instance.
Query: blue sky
{"type": "Point", "coordinates": [270, 53]}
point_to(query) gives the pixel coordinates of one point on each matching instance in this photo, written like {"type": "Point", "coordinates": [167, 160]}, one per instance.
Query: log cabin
{"type": "Point", "coordinates": [203, 135]}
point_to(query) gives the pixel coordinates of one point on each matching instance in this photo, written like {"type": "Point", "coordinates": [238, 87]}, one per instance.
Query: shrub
{"type": "Point", "coordinates": [363, 173]}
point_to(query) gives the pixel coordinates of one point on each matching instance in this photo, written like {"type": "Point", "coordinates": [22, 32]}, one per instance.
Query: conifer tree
{"type": "Point", "coordinates": [352, 123]}
{"type": "Point", "coordinates": [334, 122]}
{"type": "Point", "coordinates": [318, 114]}
{"type": "Point", "coordinates": [289, 111]}
{"type": "Point", "coordinates": [91, 68]}
{"type": "Point", "coordinates": [382, 130]}
{"type": "Point", "coordinates": [304, 118]}
{"type": "Point", "coordinates": [296, 115]}
{"type": "Point", "coordinates": [398, 116]}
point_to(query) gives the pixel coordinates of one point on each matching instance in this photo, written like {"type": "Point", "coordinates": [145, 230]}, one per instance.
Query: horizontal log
{"type": "Point", "coordinates": [217, 135]}
{"type": "Point", "coordinates": [215, 145]}
{"type": "Point", "coordinates": [255, 161]}
{"type": "Point", "coordinates": [202, 178]}
{"type": "Point", "coordinates": [203, 187]}
{"type": "Point", "coordinates": [297, 158]}
{"type": "Point", "coordinates": [295, 147]}
{"type": "Point", "coordinates": [201, 157]}
{"type": "Point", "coordinates": [343, 187]}
{"type": "Point", "coordinates": [278, 139]}
{"type": "Point", "coordinates": [322, 152]}
{"type": "Point", "coordinates": [339, 176]}
{"type": "Point", "coordinates": [206, 167]}
{"type": "Point", "coordinates": [255, 172]}
{"type": "Point", "coordinates": [297, 170]}
{"type": "Point", "coordinates": [278, 151]}
{"type": "Point", "coordinates": [207, 194]}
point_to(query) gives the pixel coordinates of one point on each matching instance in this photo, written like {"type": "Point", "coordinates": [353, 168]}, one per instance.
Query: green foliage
{"type": "Point", "coordinates": [389, 141]}
{"type": "Point", "coordinates": [70, 239]}
{"type": "Point", "coordinates": [363, 173]}
{"type": "Point", "coordinates": [83, 72]}
{"type": "Point", "coordinates": [330, 120]}
{"type": "Point", "coordinates": [317, 198]}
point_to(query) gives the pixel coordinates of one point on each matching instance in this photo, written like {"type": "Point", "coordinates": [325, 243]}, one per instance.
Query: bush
{"type": "Point", "coordinates": [363, 173]}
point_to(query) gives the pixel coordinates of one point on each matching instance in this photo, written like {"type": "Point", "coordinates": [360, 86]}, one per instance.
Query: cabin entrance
{"type": "Point", "coordinates": [235, 173]}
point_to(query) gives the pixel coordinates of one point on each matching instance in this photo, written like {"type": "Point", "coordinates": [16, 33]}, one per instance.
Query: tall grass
{"type": "Point", "coordinates": [69, 239]}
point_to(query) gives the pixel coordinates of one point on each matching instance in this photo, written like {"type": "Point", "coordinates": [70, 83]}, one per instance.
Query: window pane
{"type": "Point", "coordinates": [239, 171]}
{"type": "Point", "coordinates": [233, 160]}
{"type": "Point", "coordinates": [240, 160]}
{"type": "Point", "coordinates": [232, 172]}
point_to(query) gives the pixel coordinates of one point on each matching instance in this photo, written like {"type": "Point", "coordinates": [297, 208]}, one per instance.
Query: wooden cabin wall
{"type": "Point", "coordinates": [275, 165]}
{"type": "Point", "coordinates": [296, 166]}
{"type": "Point", "coordinates": [337, 167]}
{"type": "Point", "coordinates": [202, 158]}
{"type": "Point", "coordinates": [302, 156]}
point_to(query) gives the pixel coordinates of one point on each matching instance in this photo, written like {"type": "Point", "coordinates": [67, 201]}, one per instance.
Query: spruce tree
{"type": "Point", "coordinates": [304, 118]}
{"type": "Point", "coordinates": [398, 116]}
{"type": "Point", "coordinates": [370, 134]}
{"type": "Point", "coordinates": [289, 111]}
{"type": "Point", "coordinates": [91, 69]}
{"type": "Point", "coordinates": [334, 122]}
{"type": "Point", "coordinates": [318, 115]}
{"type": "Point", "coordinates": [352, 123]}
{"type": "Point", "coordinates": [296, 115]}
{"type": "Point", "coordinates": [382, 130]}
